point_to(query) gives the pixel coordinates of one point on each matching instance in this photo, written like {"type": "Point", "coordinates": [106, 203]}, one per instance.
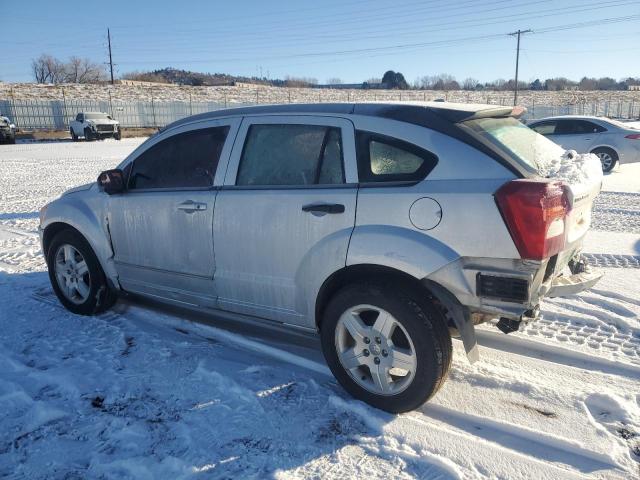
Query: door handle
{"type": "Point", "coordinates": [324, 208]}
{"type": "Point", "coordinates": [191, 206]}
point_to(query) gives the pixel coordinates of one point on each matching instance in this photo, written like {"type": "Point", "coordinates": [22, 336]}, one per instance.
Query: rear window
{"type": "Point", "coordinates": [520, 142]}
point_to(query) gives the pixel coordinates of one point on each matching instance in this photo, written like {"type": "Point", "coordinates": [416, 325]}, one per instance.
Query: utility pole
{"type": "Point", "coordinates": [518, 33]}
{"type": "Point", "coordinates": [110, 58]}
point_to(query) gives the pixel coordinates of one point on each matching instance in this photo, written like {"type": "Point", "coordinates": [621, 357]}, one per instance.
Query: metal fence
{"type": "Point", "coordinates": [56, 114]}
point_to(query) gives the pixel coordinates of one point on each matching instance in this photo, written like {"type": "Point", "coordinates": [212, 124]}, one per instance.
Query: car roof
{"type": "Point", "coordinates": [570, 117]}
{"type": "Point", "coordinates": [421, 113]}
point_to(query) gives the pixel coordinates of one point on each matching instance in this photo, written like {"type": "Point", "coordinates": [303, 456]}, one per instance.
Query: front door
{"type": "Point", "coordinates": [285, 215]}
{"type": "Point", "coordinates": [161, 228]}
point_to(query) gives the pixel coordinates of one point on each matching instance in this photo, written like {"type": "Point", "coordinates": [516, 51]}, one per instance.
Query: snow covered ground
{"type": "Point", "coordinates": [143, 392]}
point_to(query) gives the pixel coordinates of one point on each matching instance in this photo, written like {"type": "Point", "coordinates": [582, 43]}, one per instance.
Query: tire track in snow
{"type": "Point", "coordinates": [547, 352]}
{"type": "Point", "coordinates": [511, 437]}
{"type": "Point", "coordinates": [609, 260]}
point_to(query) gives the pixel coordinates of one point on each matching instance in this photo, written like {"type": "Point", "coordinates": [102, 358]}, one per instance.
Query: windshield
{"type": "Point", "coordinates": [96, 116]}
{"type": "Point", "coordinates": [625, 125]}
{"type": "Point", "coordinates": [517, 140]}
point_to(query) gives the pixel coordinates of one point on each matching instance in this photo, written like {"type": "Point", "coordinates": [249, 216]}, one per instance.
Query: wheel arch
{"type": "Point", "coordinates": [605, 146]}
{"type": "Point", "coordinates": [359, 273]}
{"type": "Point", "coordinates": [456, 315]}
{"type": "Point", "coordinates": [86, 224]}
{"type": "Point", "coordinates": [51, 231]}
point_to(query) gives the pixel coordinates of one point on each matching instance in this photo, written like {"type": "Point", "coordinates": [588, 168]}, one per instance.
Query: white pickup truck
{"type": "Point", "coordinates": [94, 126]}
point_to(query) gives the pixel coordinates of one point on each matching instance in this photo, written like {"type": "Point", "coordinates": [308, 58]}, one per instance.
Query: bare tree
{"type": "Point", "coordinates": [299, 81]}
{"type": "Point", "coordinates": [334, 81]}
{"type": "Point", "coordinates": [82, 70]}
{"type": "Point", "coordinates": [48, 69]}
{"type": "Point", "coordinates": [443, 81]}
{"type": "Point", "coordinates": [470, 83]}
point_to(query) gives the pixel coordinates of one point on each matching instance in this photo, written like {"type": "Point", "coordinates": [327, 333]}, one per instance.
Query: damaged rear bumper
{"type": "Point", "coordinates": [564, 286]}
{"type": "Point", "coordinates": [480, 290]}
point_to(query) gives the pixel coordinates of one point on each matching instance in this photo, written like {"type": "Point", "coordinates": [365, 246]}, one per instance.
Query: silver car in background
{"type": "Point", "coordinates": [612, 141]}
{"type": "Point", "coordinates": [385, 228]}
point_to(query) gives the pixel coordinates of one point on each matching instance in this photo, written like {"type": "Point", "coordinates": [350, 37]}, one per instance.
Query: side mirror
{"type": "Point", "coordinates": [111, 181]}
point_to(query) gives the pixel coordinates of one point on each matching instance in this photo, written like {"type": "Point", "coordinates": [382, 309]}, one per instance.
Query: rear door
{"type": "Point", "coordinates": [285, 215]}
{"type": "Point", "coordinates": [161, 227]}
{"type": "Point", "coordinates": [574, 134]}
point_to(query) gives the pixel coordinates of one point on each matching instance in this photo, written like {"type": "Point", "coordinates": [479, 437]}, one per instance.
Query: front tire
{"type": "Point", "coordinates": [76, 275]}
{"type": "Point", "coordinates": [608, 158]}
{"type": "Point", "coordinates": [386, 347]}
{"type": "Point", "coordinates": [117, 135]}
{"type": "Point", "coordinates": [74, 137]}
{"type": "Point", "coordinates": [88, 136]}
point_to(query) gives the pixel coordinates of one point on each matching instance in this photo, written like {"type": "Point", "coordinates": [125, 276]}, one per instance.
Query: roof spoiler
{"type": "Point", "coordinates": [515, 112]}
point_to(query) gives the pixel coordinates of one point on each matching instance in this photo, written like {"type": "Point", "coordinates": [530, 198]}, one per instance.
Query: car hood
{"type": "Point", "coordinates": [79, 188]}
{"type": "Point", "coordinates": [103, 121]}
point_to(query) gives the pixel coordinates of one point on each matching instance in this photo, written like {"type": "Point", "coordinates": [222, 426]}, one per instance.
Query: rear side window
{"type": "Point", "coordinates": [185, 160]}
{"type": "Point", "coordinates": [287, 154]}
{"type": "Point", "coordinates": [387, 159]}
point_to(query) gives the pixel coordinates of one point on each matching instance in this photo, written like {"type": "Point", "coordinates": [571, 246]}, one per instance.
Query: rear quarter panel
{"type": "Point", "coordinates": [463, 183]}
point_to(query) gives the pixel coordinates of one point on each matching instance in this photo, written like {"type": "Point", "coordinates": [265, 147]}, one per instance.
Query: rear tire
{"type": "Point", "coordinates": [401, 356]}
{"type": "Point", "coordinates": [608, 158]}
{"type": "Point", "coordinates": [76, 275]}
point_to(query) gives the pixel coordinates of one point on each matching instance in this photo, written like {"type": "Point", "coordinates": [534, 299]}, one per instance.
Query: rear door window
{"type": "Point", "coordinates": [291, 155]}
{"type": "Point", "coordinates": [577, 127]}
{"type": "Point", "coordinates": [185, 160]}
{"type": "Point", "coordinates": [387, 159]}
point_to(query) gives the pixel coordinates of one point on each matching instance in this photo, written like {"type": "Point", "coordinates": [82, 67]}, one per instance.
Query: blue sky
{"type": "Point", "coordinates": [352, 39]}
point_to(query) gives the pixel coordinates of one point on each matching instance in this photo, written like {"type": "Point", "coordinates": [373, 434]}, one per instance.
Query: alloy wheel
{"type": "Point", "coordinates": [72, 274]}
{"type": "Point", "coordinates": [375, 349]}
{"type": "Point", "coordinates": [606, 160]}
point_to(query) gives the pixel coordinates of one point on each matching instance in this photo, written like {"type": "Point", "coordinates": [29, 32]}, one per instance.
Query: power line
{"type": "Point", "coordinates": [351, 34]}
{"type": "Point", "coordinates": [439, 43]}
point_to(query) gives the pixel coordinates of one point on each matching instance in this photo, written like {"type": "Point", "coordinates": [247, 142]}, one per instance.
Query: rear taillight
{"type": "Point", "coordinates": [633, 136]}
{"type": "Point", "coordinates": [535, 212]}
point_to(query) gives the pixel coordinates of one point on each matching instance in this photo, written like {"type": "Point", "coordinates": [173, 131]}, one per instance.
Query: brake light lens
{"type": "Point", "coordinates": [535, 212]}
{"type": "Point", "coordinates": [633, 136]}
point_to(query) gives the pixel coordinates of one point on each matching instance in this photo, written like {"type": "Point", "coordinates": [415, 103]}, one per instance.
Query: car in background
{"type": "Point", "coordinates": [7, 130]}
{"type": "Point", "coordinates": [94, 126]}
{"type": "Point", "coordinates": [612, 141]}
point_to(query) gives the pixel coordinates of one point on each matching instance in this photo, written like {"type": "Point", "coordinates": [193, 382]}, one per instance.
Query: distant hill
{"type": "Point", "coordinates": [196, 79]}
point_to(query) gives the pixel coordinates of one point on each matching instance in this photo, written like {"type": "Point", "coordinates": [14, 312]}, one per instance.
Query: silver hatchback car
{"type": "Point", "coordinates": [385, 228]}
